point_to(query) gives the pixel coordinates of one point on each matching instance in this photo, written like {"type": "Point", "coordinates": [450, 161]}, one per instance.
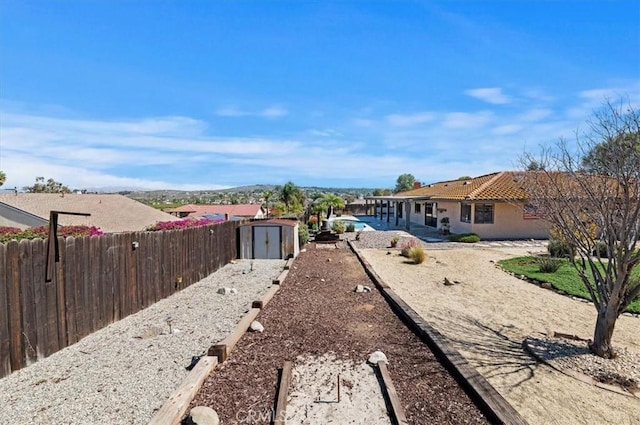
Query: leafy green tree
{"type": "Point", "coordinates": [50, 186]}
{"type": "Point", "coordinates": [404, 182]}
{"type": "Point", "coordinates": [605, 158]}
{"type": "Point", "coordinates": [386, 192]}
{"type": "Point", "coordinates": [3, 177]}
{"type": "Point", "coordinates": [377, 192]}
{"type": "Point", "coordinates": [596, 207]}
{"type": "Point", "coordinates": [292, 197]}
{"type": "Point", "coordinates": [267, 195]}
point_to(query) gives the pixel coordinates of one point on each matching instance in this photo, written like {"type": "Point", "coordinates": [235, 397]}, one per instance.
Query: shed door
{"type": "Point", "coordinates": [266, 242]}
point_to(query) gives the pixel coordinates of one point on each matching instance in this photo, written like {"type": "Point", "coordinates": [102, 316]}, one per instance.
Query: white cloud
{"type": "Point", "coordinates": [466, 119]}
{"type": "Point", "coordinates": [400, 120]}
{"type": "Point", "coordinates": [273, 112]}
{"type": "Point", "coordinates": [270, 112]}
{"type": "Point", "coordinates": [493, 95]}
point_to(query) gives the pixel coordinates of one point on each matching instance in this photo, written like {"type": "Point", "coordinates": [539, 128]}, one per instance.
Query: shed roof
{"type": "Point", "coordinates": [273, 221]}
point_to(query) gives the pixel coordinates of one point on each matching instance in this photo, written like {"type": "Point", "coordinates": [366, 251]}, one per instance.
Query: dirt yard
{"type": "Point", "coordinates": [489, 313]}
{"type": "Point", "coordinates": [316, 316]}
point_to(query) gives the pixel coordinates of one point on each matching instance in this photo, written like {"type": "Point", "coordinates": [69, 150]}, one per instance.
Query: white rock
{"type": "Point", "coordinates": [226, 291]}
{"type": "Point", "coordinates": [256, 326]}
{"type": "Point", "coordinates": [359, 288]}
{"type": "Point", "coordinates": [377, 356]}
{"type": "Point", "coordinates": [367, 289]}
{"type": "Point", "coordinates": [203, 415]}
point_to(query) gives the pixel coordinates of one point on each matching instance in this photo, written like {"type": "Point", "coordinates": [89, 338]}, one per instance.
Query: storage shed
{"type": "Point", "coordinates": [269, 239]}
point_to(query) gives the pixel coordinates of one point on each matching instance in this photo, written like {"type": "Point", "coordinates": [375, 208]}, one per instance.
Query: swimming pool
{"type": "Point", "coordinates": [359, 225]}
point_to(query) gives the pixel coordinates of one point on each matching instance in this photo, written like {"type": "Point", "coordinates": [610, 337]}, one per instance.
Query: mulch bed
{"type": "Point", "coordinates": [316, 312]}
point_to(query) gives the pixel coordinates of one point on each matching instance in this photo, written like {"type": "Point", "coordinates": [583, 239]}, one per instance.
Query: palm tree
{"type": "Point", "coordinates": [267, 194]}
{"type": "Point", "coordinates": [330, 201]}
{"type": "Point", "coordinates": [292, 197]}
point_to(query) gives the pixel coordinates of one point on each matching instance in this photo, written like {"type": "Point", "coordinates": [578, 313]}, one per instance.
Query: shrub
{"type": "Point", "coordinates": [351, 227]}
{"type": "Point", "coordinates": [406, 247]}
{"type": "Point", "coordinates": [417, 254]}
{"type": "Point", "coordinates": [338, 226]}
{"type": "Point", "coordinates": [187, 223]}
{"type": "Point", "coordinates": [313, 220]}
{"type": "Point", "coordinates": [600, 249]}
{"type": "Point", "coordinates": [395, 240]}
{"type": "Point", "coordinates": [303, 234]}
{"type": "Point", "coordinates": [559, 249]}
{"type": "Point", "coordinates": [465, 238]}
{"type": "Point", "coordinates": [548, 264]}
{"type": "Point", "coordinates": [10, 233]}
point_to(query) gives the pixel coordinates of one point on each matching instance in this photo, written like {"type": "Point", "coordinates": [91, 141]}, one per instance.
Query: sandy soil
{"type": "Point", "coordinates": [313, 395]}
{"type": "Point", "coordinates": [487, 316]}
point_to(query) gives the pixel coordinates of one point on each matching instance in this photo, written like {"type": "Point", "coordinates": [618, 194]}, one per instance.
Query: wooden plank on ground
{"type": "Point", "coordinates": [281, 278]}
{"type": "Point", "coordinates": [280, 412]}
{"type": "Point", "coordinates": [232, 339]}
{"type": "Point", "coordinates": [266, 297]}
{"type": "Point", "coordinates": [396, 406]}
{"type": "Point", "coordinates": [176, 406]}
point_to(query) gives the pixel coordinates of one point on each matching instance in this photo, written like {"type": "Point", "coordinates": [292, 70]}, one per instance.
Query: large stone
{"type": "Point", "coordinates": [377, 356]}
{"type": "Point", "coordinates": [256, 326]}
{"type": "Point", "coordinates": [203, 415]}
{"type": "Point", "coordinates": [362, 288]}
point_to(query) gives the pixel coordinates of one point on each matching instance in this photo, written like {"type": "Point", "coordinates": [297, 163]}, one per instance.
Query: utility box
{"type": "Point", "coordinates": [275, 239]}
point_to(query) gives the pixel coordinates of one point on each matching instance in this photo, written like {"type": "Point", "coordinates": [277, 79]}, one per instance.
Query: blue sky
{"type": "Point", "coordinates": [212, 94]}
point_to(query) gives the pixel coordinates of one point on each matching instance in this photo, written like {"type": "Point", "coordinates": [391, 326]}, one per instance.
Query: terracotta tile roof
{"type": "Point", "coordinates": [496, 186]}
{"type": "Point", "coordinates": [238, 210]}
{"type": "Point", "coordinates": [111, 213]}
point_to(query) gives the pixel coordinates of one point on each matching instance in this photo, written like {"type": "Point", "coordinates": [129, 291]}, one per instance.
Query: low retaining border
{"type": "Point", "coordinates": [175, 407]}
{"type": "Point", "coordinates": [497, 409]}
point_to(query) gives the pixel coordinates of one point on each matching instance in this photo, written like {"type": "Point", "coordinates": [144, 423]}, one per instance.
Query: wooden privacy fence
{"type": "Point", "coordinates": [97, 281]}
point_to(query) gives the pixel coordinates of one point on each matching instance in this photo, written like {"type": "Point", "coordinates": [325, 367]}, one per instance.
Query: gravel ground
{"type": "Point", "coordinates": [123, 373]}
{"type": "Point", "coordinates": [317, 313]}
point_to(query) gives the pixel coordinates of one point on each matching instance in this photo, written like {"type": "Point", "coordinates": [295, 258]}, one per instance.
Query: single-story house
{"type": "Point", "coordinates": [494, 206]}
{"type": "Point", "coordinates": [234, 210]}
{"type": "Point", "coordinates": [111, 213]}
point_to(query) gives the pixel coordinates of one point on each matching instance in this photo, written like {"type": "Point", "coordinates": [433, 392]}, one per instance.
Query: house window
{"type": "Point", "coordinates": [417, 208]}
{"type": "Point", "coordinates": [465, 213]}
{"type": "Point", "coordinates": [483, 214]}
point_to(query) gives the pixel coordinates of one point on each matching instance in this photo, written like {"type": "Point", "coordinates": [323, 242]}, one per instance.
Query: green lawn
{"type": "Point", "coordinates": [565, 279]}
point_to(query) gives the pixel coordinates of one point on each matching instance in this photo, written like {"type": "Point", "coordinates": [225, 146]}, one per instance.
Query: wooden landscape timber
{"type": "Point", "coordinates": [283, 391]}
{"type": "Point", "coordinates": [176, 406]}
{"type": "Point", "coordinates": [486, 396]}
{"type": "Point", "coordinates": [397, 411]}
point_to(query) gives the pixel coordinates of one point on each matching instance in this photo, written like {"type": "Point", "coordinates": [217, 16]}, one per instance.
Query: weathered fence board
{"type": "Point", "coordinates": [5, 356]}
{"type": "Point", "coordinates": [97, 281]}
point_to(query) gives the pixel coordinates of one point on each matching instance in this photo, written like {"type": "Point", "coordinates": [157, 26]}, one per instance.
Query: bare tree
{"type": "Point", "coordinates": [589, 194]}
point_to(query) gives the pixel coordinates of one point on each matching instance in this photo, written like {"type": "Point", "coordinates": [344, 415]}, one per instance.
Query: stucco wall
{"type": "Point", "coordinates": [509, 223]}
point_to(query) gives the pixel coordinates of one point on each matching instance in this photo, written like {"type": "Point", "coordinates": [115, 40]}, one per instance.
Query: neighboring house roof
{"type": "Point", "coordinates": [111, 213]}
{"type": "Point", "coordinates": [490, 187]}
{"type": "Point", "coordinates": [239, 210]}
